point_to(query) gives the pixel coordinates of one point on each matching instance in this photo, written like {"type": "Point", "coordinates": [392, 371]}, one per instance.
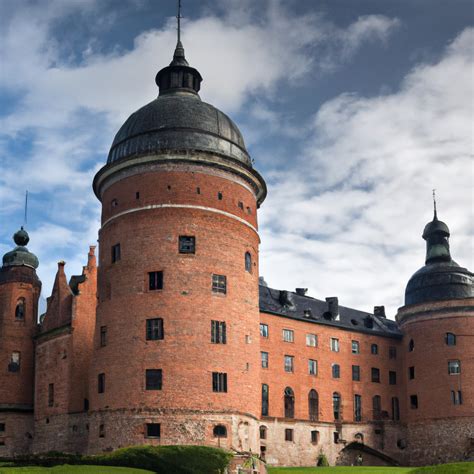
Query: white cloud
{"type": "Point", "coordinates": [350, 213]}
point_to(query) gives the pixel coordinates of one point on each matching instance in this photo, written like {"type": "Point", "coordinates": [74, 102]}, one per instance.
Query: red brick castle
{"type": "Point", "coordinates": [171, 339]}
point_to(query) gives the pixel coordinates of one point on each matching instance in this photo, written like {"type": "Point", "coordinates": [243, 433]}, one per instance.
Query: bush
{"type": "Point", "coordinates": [322, 460]}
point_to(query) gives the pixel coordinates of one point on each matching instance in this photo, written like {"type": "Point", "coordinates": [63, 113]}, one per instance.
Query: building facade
{"type": "Point", "coordinates": [173, 339]}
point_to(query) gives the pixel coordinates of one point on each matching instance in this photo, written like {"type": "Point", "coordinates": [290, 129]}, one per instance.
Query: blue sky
{"type": "Point", "coordinates": [353, 110]}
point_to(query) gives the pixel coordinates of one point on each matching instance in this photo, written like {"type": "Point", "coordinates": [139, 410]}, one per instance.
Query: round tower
{"type": "Point", "coordinates": [437, 322]}
{"type": "Point", "coordinates": [19, 292]}
{"type": "Point", "coordinates": [177, 334]}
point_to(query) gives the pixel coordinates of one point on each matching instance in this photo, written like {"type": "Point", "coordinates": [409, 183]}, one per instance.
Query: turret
{"type": "Point", "coordinates": [19, 293]}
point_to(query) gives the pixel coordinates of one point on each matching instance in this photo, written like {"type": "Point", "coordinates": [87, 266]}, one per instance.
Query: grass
{"type": "Point", "coordinates": [457, 468]}
{"type": "Point", "coordinates": [67, 469]}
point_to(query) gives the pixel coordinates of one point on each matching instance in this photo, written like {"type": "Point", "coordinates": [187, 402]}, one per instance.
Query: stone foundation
{"type": "Point", "coordinates": [17, 436]}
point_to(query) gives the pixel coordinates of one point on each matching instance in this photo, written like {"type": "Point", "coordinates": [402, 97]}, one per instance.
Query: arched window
{"type": "Point", "coordinates": [263, 432]}
{"type": "Point", "coordinates": [220, 431]}
{"type": "Point", "coordinates": [395, 409]}
{"type": "Point", "coordinates": [313, 405]}
{"type": "Point", "coordinates": [336, 405]}
{"type": "Point", "coordinates": [289, 403]}
{"type": "Point", "coordinates": [450, 339]}
{"type": "Point", "coordinates": [248, 262]}
{"type": "Point", "coordinates": [264, 399]}
{"type": "Point", "coordinates": [20, 309]}
{"type": "Point", "coordinates": [377, 407]}
{"type": "Point", "coordinates": [411, 345]}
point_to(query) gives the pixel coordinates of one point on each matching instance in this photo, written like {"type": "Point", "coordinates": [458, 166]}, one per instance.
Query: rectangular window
{"type": "Point", "coordinates": [218, 332]}
{"type": "Point", "coordinates": [289, 363]}
{"type": "Point", "coordinates": [153, 430]}
{"type": "Point", "coordinates": [263, 330]}
{"type": "Point", "coordinates": [454, 367]}
{"type": "Point", "coordinates": [155, 281]}
{"type": "Point", "coordinates": [336, 371]}
{"type": "Point", "coordinates": [375, 375]}
{"type": "Point", "coordinates": [2, 427]}
{"type": "Point", "coordinates": [264, 356]}
{"type": "Point", "coordinates": [374, 349]}
{"type": "Point", "coordinates": [103, 336]}
{"type": "Point", "coordinates": [356, 373]}
{"type": "Point", "coordinates": [14, 365]}
{"type": "Point", "coordinates": [413, 402]}
{"type": "Point", "coordinates": [411, 373]}
{"type": "Point", "coordinates": [357, 408]}
{"type": "Point", "coordinates": [219, 382]}
{"type": "Point", "coordinates": [392, 352]}
{"type": "Point", "coordinates": [314, 436]}
{"type": "Point", "coordinates": [334, 344]}
{"type": "Point", "coordinates": [311, 340]}
{"type": "Point", "coordinates": [456, 397]}
{"type": "Point", "coordinates": [288, 434]}
{"type": "Point", "coordinates": [101, 383]}
{"type": "Point", "coordinates": [51, 394]}
{"type": "Point", "coordinates": [187, 244]}
{"type": "Point", "coordinates": [115, 253]}
{"type": "Point", "coordinates": [392, 377]}
{"type": "Point", "coordinates": [336, 437]}
{"type": "Point", "coordinates": [312, 367]}
{"type": "Point", "coordinates": [154, 329]}
{"type": "Point", "coordinates": [264, 399]}
{"type": "Point", "coordinates": [355, 347]}
{"type": "Point", "coordinates": [219, 284]}
{"type": "Point", "coordinates": [154, 379]}
{"type": "Point", "coordinates": [102, 431]}
{"type": "Point", "coordinates": [288, 335]}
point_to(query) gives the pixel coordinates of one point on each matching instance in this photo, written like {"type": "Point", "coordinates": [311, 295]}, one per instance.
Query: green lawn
{"type": "Point", "coordinates": [457, 468]}
{"type": "Point", "coordinates": [67, 469]}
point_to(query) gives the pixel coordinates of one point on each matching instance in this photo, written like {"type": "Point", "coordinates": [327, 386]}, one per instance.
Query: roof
{"type": "Point", "coordinates": [305, 308]}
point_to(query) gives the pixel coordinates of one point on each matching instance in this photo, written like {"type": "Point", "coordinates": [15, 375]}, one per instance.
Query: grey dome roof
{"type": "Point", "coordinates": [178, 121]}
{"type": "Point", "coordinates": [439, 281]}
{"type": "Point", "coordinates": [20, 255]}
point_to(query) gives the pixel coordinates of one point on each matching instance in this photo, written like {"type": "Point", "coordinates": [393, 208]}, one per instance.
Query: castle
{"type": "Point", "coordinates": [173, 339]}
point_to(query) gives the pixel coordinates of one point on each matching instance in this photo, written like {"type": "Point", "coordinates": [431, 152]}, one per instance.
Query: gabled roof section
{"type": "Point", "coordinates": [305, 308]}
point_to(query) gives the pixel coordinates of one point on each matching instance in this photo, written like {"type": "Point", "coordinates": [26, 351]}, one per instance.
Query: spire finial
{"type": "Point", "coordinates": [178, 17]}
{"type": "Point", "coordinates": [434, 204]}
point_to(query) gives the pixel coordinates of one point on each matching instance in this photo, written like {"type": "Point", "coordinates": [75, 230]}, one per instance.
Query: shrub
{"type": "Point", "coordinates": [322, 460]}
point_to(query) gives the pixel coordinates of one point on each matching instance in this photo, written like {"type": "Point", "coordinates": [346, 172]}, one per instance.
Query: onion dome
{"type": "Point", "coordinates": [441, 278]}
{"type": "Point", "coordinates": [176, 123]}
{"type": "Point", "coordinates": [20, 255]}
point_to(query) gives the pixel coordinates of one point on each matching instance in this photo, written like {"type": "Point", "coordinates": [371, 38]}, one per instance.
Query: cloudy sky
{"type": "Point", "coordinates": [353, 110]}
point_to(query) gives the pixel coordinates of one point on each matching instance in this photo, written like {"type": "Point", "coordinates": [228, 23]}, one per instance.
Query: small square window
{"type": "Point", "coordinates": [374, 349]}
{"type": "Point", "coordinates": [103, 336]}
{"type": "Point", "coordinates": [115, 253]}
{"type": "Point", "coordinates": [392, 377]}
{"type": "Point", "coordinates": [187, 244]}
{"type": "Point", "coordinates": [137, 195]}
{"type": "Point", "coordinates": [312, 367]}
{"type": "Point", "coordinates": [241, 205]}
{"type": "Point", "coordinates": [334, 344]}
{"type": "Point", "coordinates": [153, 430]}
{"type": "Point", "coordinates": [154, 329]}
{"type": "Point", "coordinates": [155, 281]}
{"type": "Point", "coordinates": [264, 357]}
{"type": "Point", "coordinates": [101, 383]}
{"type": "Point", "coordinates": [411, 373]}
{"type": "Point", "coordinates": [454, 367]}
{"type": "Point", "coordinates": [219, 382]}
{"type": "Point", "coordinates": [311, 340]}
{"type": "Point", "coordinates": [413, 402]}
{"type": "Point", "coordinates": [288, 434]}
{"type": "Point", "coordinates": [288, 335]}
{"type": "Point", "coordinates": [289, 363]}
{"type": "Point", "coordinates": [356, 373]}
{"type": "Point", "coordinates": [392, 352]}
{"type": "Point", "coordinates": [219, 284]}
{"type": "Point", "coordinates": [355, 347]}
{"type": "Point", "coordinates": [263, 330]}
{"type": "Point", "coordinates": [375, 375]}
{"type": "Point", "coordinates": [154, 379]}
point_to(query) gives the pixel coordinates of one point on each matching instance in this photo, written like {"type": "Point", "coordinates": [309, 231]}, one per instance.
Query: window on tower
{"type": "Point", "coordinates": [153, 430]}
{"type": "Point", "coordinates": [450, 339]}
{"type": "Point", "coordinates": [101, 383]}
{"type": "Point", "coordinates": [219, 431]}
{"type": "Point", "coordinates": [248, 262]}
{"type": "Point", "coordinates": [219, 382]}
{"type": "Point", "coordinates": [155, 281]}
{"type": "Point", "coordinates": [187, 244]}
{"type": "Point", "coordinates": [218, 332]}
{"type": "Point", "coordinates": [375, 375]}
{"type": "Point", "coordinates": [20, 309]}
{"type": "Point", "coordinates": [51, 394]}
{"type": "Point", "coordinates": [115, 253]}
{"type": "Point", "coordinates": [154, 329]}
{"type": "Point", "coordinates": [103, 336]}
{"type": "Point", "coordinates": [219, 196]}
{"type": "Point", "coordinates": [15, 359]}
{"type": "Point", "coordinates": [154, 379]}
{"type": "Point", "coordinates": [219, 284]}
{"type": "Point", "coordinates": [454, 367]}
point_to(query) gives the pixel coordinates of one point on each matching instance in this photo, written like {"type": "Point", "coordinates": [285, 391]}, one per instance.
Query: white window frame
{"type": "Point", "coordinates": [288, 335]}
{"type": "Point", "coordinates": [311, 340]}
{"type": "Point", "coordinates": [334, 344]}
{"type": "Point", "coordinates": [312, 367]}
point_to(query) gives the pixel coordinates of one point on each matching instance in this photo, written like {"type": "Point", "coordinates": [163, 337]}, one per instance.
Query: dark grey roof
{"type": "Point", "coordinates": [305, 308]}
{"type": "Point", "coordinates": [439, 281]}
{"type": "Point", "coordinates": [178, 121]}
{"type": "Point", "coordinates": [20, 255]}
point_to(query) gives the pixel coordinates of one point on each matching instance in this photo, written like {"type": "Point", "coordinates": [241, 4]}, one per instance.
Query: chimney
{"type": "Point", "coordinates": [286, 299]}
{"type": "Point", "coordinates": [301, 291]}
{"type": "Point", "coordinates": [379, 311]}
{"type": "Point", "coordinates": [333, 307]}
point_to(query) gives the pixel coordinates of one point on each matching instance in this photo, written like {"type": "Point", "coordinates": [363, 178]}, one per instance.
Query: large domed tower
{"type": "Point", "coordinates": [19, 292]}
{"type": "Point", "coordinates": [176, 356]}
{"type": "Point", "coordinates": [438, 326]}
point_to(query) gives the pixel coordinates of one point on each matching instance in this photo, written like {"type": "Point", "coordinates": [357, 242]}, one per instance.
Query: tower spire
{"type": "Point", "coordinates": [178, 17]}
{"type": "Point", "coordinates": [434, 204]}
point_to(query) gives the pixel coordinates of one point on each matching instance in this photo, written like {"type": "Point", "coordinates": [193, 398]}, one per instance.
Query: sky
{"type": "Point", "coordinates": [353, 110]}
